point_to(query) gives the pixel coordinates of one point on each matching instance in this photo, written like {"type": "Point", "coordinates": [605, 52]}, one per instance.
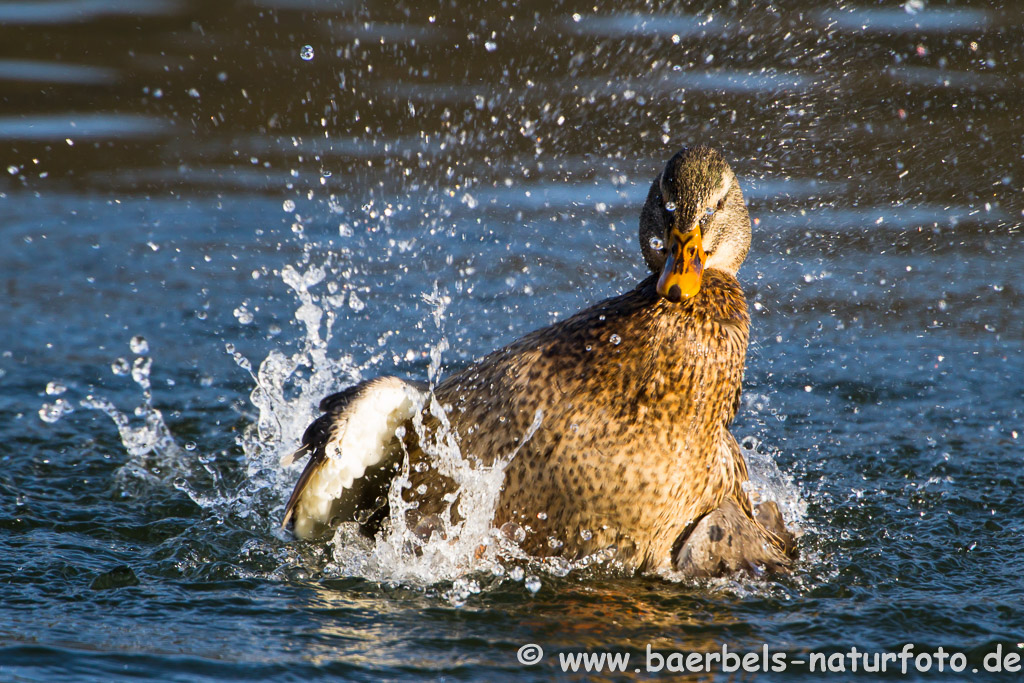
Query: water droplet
{"type": "Point", "coordinates": [670, 206]}
{"type": "Point", "coordinates": [51, 412]}
{"type": "Point", "coordinates": [516, 573]}
{"type": "Point", "coordinates": [288, 205]}
{"type": "Point", "coordinates": [490, 46]}
{"type": "Point", "coordinates": [190, 445]}
{"type": "Point", "coordinates": [307, 53]}
{"type": "Point", "coordinates": [532, 584]}
{"type": "Point", "coordinates": [513, 532]}
{"type": "Point", "coordinates": [554, 543]}
{"type": "Point", "coordinates": [585, 534]}
{"type": "Point", "coordinates": [657, 243]}
{"type": "Point", "coordinates": [615, 340]}
{"type": "Point", "coordinates": [140, 369]}
{"type": "Point", "coordinates": [139, 345]}
{"type": "Point", "coordinates": [243, 315]}
{"type": "Point", "coordinates": [355, 303]}
{"type": "Point", "coordinates": [120, 367]}
{"type": "Point", "coordinates": [55, 388]}
{"type": "Point", "coordinates": [542, 515]}
{"type": "Point", "coordinates": [557, 566]}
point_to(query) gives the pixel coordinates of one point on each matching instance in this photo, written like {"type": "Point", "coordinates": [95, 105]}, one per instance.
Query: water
{"type": "Point", "coordinates": [214, 218]}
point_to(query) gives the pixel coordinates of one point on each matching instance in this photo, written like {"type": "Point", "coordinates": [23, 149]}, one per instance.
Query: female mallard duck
{"type": "Point", "coordinates": [618, 416]}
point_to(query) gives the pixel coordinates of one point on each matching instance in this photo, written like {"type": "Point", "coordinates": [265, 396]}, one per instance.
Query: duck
{"type": "Point", "coordinates": [613, 425]}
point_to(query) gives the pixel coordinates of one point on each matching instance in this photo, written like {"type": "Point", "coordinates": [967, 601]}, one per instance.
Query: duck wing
{"type": "Point", "coordinates": [350, 447]}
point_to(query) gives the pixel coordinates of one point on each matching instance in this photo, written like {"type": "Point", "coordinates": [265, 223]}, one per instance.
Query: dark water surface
{"type": "Point", "coordinates": [188, 191]}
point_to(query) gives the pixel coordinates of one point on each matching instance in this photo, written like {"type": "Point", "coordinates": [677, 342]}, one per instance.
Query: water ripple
{"type": "Point", "coordinates": [625, 25]}
{"type": "Point", "coordinates": [729, 81]}
{"type": "Point", "coordinates": [901, 21]}
{"type": "Point", "coordinates": [55, 72]}
{"type": "Point", "coordinates": [72, 11]}
{"type": "Point", "coordinates": [74, 126]}
{"type": "Point", "coordinates": [931, 77]}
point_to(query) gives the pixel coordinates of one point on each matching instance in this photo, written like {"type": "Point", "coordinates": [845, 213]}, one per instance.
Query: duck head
{"type": "Point", "coordinates": [694, 219]}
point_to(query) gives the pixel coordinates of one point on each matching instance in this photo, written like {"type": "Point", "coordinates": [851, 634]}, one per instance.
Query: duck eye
{"type": "Point", "coordinates": [721, 204]}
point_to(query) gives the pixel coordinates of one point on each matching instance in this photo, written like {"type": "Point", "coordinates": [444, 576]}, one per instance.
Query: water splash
{"type": "Point", "coordinates": [52, 412]}
{"type": "Point", "coordinates": [459, 558]}
{"type": "Point", "coordinates": [461, 551]}
{"type": "Point", "coordinates": [768, 482]}
{"type": "Point", "coordinates": [464, 544]}
{"type": "Point", "coordinates": [286, 400]}
{"type": "Point", "coordinates": [463, 541]}
{"type": "Point", "coordinates": [154, 457]}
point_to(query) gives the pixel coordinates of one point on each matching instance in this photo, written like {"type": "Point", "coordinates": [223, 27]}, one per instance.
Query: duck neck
{"type": "Point", "coordinates": [697, 350]}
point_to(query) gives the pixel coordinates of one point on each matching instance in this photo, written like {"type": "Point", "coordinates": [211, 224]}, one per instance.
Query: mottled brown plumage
{"type": "Point", "coordinates": [619, 415]}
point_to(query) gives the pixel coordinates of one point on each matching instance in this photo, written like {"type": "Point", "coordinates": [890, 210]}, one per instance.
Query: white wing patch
{"type": "Point", "coordinates": [356, 439]}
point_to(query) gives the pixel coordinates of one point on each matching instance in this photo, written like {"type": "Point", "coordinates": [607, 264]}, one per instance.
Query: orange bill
{"type": "Point", "coordinates": [684, 267]}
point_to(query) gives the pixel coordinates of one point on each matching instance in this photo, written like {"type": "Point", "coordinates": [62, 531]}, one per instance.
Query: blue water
{"type": "Point", "coordinates": [448, 179]}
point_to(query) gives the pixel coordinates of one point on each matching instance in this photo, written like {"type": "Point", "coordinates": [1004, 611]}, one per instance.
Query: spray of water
{"type": "Point", "coordinates": [463, 554]}
{"type": "Point", "coordinates": [286, 400]}
{"type": "Point", "coordinates": [154, 457]}
{"type": "Point", "coordinates": [464, 546]}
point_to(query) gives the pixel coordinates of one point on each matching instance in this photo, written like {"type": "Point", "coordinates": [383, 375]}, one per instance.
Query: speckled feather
{"type": "Point", "coordinates": [633, 445]}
